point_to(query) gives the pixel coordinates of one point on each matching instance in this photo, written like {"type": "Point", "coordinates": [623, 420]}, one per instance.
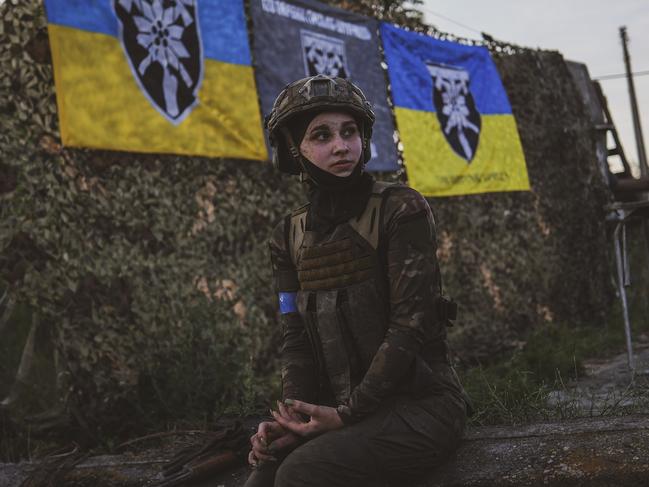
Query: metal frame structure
{"type": "Point", "coordinates": [621, 214]}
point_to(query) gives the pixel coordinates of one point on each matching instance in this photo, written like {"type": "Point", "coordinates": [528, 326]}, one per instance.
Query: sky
{"type": "Point", "coordinates": [582, 30]}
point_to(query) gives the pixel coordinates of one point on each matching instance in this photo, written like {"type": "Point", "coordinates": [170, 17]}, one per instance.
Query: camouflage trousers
{"type": "Point", "coordinates": [402, 441]}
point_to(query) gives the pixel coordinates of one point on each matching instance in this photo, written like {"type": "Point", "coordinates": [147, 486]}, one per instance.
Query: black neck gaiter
{"type": "Point", "coordinates": [335, 199]}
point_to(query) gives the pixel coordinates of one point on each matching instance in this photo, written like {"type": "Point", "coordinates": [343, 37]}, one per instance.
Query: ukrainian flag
{"type": "Point", "coordinates": [154, 76]}
{"type": "Point", "coordinates": [456, 124]}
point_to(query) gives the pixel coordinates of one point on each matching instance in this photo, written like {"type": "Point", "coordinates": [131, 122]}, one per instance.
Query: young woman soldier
{"type": "Point", "coordinates": [369, 395]}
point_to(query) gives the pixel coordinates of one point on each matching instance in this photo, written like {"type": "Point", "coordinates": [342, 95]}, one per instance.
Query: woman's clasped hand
{"type": "Point", "coordinates": [290, 429]}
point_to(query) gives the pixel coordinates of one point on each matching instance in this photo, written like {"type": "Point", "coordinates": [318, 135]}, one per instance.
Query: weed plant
{"type": "Point", "coordinates": [518, 388]}
{"type": "Point", "coordinates": [203, 371]}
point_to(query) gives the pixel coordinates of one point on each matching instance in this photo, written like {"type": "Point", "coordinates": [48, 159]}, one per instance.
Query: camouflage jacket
{"type": "Point", "coordinates": [359, 314]}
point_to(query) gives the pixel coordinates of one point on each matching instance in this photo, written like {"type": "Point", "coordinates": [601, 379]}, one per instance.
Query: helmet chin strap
{"type": "Point", "coordinates": [365, 142]}
{"type": "Point", "coordinates": [294, 152]}
{"type": "Point", "coordinates": [290, 143]}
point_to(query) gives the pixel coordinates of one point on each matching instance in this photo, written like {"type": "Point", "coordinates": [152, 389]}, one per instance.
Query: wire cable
{"type": "Point", "coordinates": [620, 75]}
{"type": "Point", "coordinates": [464, 26]}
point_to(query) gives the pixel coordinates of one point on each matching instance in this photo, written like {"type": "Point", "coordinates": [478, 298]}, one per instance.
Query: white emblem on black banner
{"type": "Point", "coordinates": [323, 55]}
{"type": "Point", "coordinates": [456, 110]}
{"type": "Point", "coordinates": [162, 42]}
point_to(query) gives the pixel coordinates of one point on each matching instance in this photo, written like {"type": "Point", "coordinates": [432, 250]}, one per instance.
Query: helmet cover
{"type": "Point", "coordinates": [317, 93]}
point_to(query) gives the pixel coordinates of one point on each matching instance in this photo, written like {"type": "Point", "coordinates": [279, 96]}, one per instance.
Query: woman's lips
{"type": "Point", "coordinates": [342, 164]}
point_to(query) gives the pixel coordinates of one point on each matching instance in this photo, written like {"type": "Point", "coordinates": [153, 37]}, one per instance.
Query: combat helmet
{"type": "Point", "coordinates": [314, 93]}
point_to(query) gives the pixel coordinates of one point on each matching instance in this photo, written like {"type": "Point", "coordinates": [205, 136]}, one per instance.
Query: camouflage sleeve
{"type": "Point", "coordinates": [413, 276]}
{"type": "Point", "coordinates": [297, 364]}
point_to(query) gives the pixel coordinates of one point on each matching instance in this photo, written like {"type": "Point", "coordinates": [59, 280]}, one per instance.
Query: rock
{"type": "Point", "coordinates": [593, 452]}
{"type": "Point", "coordinates": [589, 452]}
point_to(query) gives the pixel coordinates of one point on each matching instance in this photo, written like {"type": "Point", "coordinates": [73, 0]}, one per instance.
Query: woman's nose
{"type": "Point", "coordinates": [340, 144]}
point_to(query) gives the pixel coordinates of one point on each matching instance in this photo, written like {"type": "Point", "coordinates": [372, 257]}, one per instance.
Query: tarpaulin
{"type": "Point", "coordinates": [299, 38]}
{"type": "Point", "coordinates": [154, 76]}
{"type": "Point", "coordinates": [454, 118]}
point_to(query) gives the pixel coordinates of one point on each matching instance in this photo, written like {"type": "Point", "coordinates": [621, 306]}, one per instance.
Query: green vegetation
{"type": "Point", "coordinates": [184, 380]}
{"type": "Point", "coordinates": [148, 275]}
{"type": "Point", "coordinates": [517, 388]}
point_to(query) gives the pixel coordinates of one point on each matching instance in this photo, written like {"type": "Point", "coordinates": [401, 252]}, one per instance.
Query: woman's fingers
{"type": "Point", "coordinates": [322, 418]}
{"type": "Point", "coordinates": [255, 460]}
{"type": "Point", "coordinates": [263, 457]}
{"type": "Point", "coordinates": [255, 442]}
{"type": "Point", "coordinates": [302, 407]}
{"type": "Point", "coordinates": [294, 415]}
{"type": "Point", "coordinates": [286, 418]}
{"type": "Point", "coordinates": [289, 413]}
{"type": "Point", "coordinates": [260, 449]}
{"type": "Point", "coordinates": [297, 427]}
{"type": "Point", "coordinates": [286, 423]}
{"type": "Point", "coordinates": [268, 431]}
{"type": "Point", "coordinates": [252, 459]}
{"type": "Point", "coordinates": [283, 410]}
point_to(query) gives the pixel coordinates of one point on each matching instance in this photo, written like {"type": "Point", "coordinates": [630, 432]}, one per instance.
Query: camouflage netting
{"type": "Point", "coordinates": [151, 274]}
{"type": "Point", "coordinates": [151, 271]}
{"type": "Point", "coordinates": [517, 260]}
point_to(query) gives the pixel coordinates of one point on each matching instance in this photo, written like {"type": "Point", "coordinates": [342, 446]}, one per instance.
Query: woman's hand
{"type": "Point", "coordinates": [270, 438]}
{"type": "Point", "coordinates": [321, 418]}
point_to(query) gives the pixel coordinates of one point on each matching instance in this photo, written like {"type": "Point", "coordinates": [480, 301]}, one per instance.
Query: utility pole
{"type": "Point", "coordinates": [642, 155]}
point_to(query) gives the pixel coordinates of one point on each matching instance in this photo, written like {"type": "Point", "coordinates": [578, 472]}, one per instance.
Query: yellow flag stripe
{"type": "Point", "coordinates": [434, 169]}
{"type": "Point", "coordinates": [101, 106]}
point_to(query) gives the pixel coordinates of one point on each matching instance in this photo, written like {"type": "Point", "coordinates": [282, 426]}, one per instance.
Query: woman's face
{"type": "Point", "coordinates": [332, 142]}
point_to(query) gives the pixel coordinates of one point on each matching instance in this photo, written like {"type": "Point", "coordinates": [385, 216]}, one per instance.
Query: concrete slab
{"type": "Point", "coordinates": [593, 452]}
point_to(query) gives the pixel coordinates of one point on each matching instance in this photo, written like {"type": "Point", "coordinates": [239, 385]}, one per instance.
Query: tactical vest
{"type": "Point", "coordinates": [343, 297]}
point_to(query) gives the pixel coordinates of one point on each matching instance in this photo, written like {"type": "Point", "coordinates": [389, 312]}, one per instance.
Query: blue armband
{"type": "Point", "coordinates": [287, 303]}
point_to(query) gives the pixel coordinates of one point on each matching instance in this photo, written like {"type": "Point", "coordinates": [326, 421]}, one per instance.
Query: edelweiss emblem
{"type": "Point", "coordinates": [323, 55]}
{"type": "Point", "coordinates": [161, 39]}
{"type": "Point", "coordinates": [456, 111]}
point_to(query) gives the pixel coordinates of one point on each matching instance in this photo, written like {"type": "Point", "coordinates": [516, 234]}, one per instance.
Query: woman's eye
{"type": "Point", "coordinates": [349, 131]}
{"type": "Point", "coordinates": [321, 135]}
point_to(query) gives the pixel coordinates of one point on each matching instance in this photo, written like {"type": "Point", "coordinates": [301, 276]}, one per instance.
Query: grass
{"type": "Point", "coordinates": [520, 388]}
{"type": "Point", "coordinates": [533, 383]}
{"type": "Point", "coordinates": [516, 389]}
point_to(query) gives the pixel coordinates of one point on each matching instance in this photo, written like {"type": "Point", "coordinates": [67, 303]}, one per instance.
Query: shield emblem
{"type": "Point", "coordinates": [323, 55]}
{"type": "Point", "coordinates": [161, 39]}
{"type": "Point", "coordinates": [456, 111]}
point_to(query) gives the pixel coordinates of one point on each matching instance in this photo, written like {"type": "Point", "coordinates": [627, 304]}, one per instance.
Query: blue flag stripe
{"type": "Point", "coordinates": [95, 16]}
{"type": "Point", "coordinates": [222, 23]}
{"type": "Point", "coordinates": [407, 54]}
{"type": "Point", "coordinates": [223, 27]}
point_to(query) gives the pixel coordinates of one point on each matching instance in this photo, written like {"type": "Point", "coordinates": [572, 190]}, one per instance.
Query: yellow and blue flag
{"type": "Point", "coordinates": [456, 124]}
{"type": "Point", "coordinates": [155, 76]}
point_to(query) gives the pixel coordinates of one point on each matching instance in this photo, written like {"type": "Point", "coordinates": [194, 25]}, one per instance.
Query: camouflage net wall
{"type": "Point", "coordinates": [517, 260]}
{"type": "Point", "coordinates": [151, 273]}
